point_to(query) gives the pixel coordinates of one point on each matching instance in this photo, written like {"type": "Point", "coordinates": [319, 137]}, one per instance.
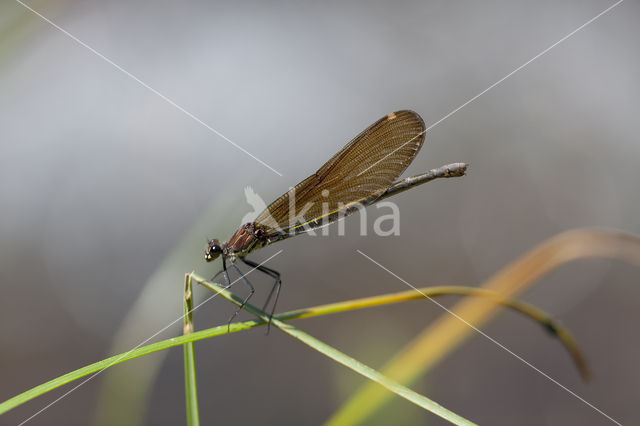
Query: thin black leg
{"type": "Point", "coordinates": [276, 286]}
{"type": "Point", "coordinates": [224, 269]}
{"type": "Point", "coordinates": [246, 299]}
{"type": "Point", "coordinates": [226, 273]}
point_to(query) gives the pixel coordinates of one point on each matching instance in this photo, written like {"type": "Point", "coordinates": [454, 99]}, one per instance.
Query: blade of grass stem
{"type": "Point", "coordinates": [191, 388]}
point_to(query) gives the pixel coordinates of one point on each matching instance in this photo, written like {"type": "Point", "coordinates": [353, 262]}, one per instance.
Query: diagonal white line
{"type": "Point", "coordinates": [524, 65]}
{"type": "Point", "coordinates": [495, 341]}
{"type": "Point", "coordinates": [180, 318]}
{"type": "Point", "coordinates": [497, 82]}
{"type": "Point", "coordinates": [142, 83]}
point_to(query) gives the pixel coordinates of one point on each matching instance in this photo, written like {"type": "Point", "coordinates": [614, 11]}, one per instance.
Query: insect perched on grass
{"type": "Point", "coordinates": [360, 174]}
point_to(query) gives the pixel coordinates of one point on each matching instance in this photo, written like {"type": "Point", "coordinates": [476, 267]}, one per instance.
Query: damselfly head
{"type": "Point", "coordinates": [213, 250]}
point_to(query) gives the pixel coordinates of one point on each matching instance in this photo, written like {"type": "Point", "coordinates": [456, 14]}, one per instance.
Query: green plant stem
{"type": "Point", "coordinates": [190, 383]}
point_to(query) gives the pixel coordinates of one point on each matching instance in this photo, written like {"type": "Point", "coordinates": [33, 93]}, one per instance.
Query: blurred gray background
{"type": "Point", "coordinates": [107, 194]}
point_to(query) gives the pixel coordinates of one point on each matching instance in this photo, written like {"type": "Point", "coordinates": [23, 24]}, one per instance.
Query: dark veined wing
{"type": "Point", "coordinates": [367, 165]}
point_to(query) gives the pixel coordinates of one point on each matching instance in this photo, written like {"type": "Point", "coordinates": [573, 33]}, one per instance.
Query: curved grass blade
{"type": "Point", "coordinates": [448, 332]}
{"type": "Point", "coordinates": [541, 317]}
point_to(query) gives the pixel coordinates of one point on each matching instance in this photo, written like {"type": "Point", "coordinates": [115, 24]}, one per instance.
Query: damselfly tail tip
{"type": "Point", "coordinates": [456, 169]}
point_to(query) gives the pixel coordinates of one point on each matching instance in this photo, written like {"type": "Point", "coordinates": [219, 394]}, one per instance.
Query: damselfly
{"type": "Point", "coordinates": [363, 172]}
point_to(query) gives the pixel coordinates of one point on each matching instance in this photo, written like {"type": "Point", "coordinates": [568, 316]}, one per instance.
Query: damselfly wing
{"type": "Point", "coordinates": [367, 165]}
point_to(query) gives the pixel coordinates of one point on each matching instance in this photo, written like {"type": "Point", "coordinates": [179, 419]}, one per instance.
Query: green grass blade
{"type": "Point", "coordinates": [347, 361]}
{"type": "Point", "coordinates": [191, 388]}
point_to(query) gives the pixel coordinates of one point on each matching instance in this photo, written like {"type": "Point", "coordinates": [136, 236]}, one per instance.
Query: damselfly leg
{"type": "Point", "coordinates": [246, 299]}
{"type": "Point", "coordinates": [213, 279]}
{"type": "Point", "coordinates": [270, 272]}
{"type": "Point", "coordinates": [276, 286]}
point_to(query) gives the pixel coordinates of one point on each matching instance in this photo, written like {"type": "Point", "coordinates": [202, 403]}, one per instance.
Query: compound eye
{"type": "Point", "coordinates": [213, 250]}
